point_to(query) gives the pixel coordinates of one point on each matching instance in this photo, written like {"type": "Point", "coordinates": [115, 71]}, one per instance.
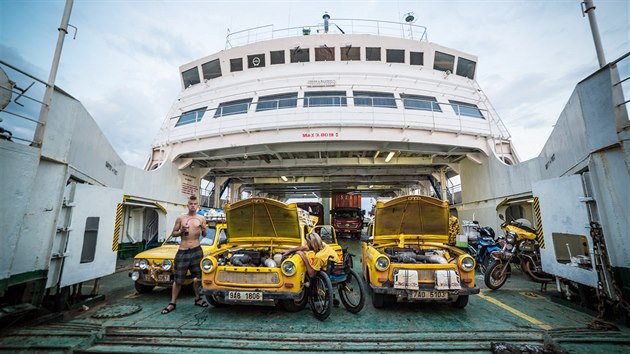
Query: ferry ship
{"type": "Point", "coordinates": [354, 106]}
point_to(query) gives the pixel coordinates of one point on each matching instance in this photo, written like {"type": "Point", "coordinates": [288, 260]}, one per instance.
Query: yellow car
{"type": "Point", "coordinates": [408, 258]}
{"type": "Point", "coordinates": [154, 267]}
{"type": "Point", "coordinates": [250, 268]}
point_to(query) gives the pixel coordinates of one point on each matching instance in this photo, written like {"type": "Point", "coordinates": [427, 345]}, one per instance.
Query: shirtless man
{"type": "Point", "coordinates": [189, 227]}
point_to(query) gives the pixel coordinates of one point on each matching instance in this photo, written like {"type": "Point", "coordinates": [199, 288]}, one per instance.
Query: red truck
{"type": "Point", "coordinates": [346, 214]}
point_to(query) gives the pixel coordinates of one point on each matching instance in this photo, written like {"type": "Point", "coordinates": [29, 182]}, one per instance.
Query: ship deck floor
{"type": "Point", "coordinates": [519, 316]}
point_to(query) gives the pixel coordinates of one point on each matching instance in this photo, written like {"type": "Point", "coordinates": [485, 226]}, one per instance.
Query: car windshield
{"type": "Point", "coordinates": [326, 233]}
{"type": "Point", "coordinates": [347, 214]}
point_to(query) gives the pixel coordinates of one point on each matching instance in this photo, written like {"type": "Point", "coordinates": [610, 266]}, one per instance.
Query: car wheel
{"type": "Point", "coordinates": [213, 300]}
{"type": "Point", "coordinates": [352, 292]}
{"type": "Point", "coordinates": [143, 289]}
{"type": "Point", "coordinates": [461, 302]}
{"type": "Point", "coordinates": [295, 305]}
{"type": "Point", "coordinates": [378, 300]}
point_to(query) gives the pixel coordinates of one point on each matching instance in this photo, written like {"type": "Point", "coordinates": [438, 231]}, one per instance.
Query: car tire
{"type": "Point", "coordinates": [378, 300]}
{"type": "Point", "coordinates": [461, 302]}
{"type": "Point", "coordinates": [143, 289]}
{"type": "Point", "coordinates": [295, 305]}
{"type": "Point", "coordinates": [212, 300]}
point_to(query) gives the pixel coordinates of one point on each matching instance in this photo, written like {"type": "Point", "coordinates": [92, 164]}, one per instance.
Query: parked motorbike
{"type": "Point", "coordinates": [521, 249]}
{"type": "Point", "coordinates": [481, 243]}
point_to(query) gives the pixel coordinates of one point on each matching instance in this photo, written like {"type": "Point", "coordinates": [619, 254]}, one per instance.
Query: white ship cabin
{"type": "Point", "coordinates": [367, 106]}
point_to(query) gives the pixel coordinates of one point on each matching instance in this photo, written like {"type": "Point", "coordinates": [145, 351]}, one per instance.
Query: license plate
{"type": "Point", "coordinates": [164, 277]}
{"type": "Point", "coordinates": [428, 295]}
{"type": "Point", "coordinates": [245, 296]}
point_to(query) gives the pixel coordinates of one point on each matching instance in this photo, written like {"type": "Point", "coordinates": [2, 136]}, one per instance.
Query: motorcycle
{"type": "Point", "coordinates": [522, 250]}
{"type": "Point", "coordinates": [481, 243]}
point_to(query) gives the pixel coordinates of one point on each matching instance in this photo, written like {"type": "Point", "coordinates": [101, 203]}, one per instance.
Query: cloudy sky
{"type": "Point", "coordinates": [123, 64]}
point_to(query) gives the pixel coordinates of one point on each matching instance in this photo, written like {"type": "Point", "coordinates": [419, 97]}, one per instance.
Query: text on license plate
{"type": "Point", "coordinates": [245, 295]}
{"type": "Point", "coordinates": [164, 277]}
{"type": "Point", "coordinates": [429, 295]}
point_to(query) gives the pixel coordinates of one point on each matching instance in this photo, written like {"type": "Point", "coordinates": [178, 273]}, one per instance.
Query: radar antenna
{"type": "Point", "coordinates": [410, 18]}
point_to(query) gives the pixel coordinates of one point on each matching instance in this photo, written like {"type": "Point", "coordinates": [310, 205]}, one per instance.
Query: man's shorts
{"type": "Point", "coordinates": [187, 260]}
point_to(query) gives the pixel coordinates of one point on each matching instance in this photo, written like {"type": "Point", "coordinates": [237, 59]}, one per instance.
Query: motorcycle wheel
{"type": "Point", "coordinates": [496, 275]}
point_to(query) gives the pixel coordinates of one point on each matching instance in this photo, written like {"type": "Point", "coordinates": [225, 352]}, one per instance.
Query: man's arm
{"type": "Point", "coordinates": [177, 229]}
{"type": "Point", "coordinates": [311, 272]}
{"type": "Point", "coordinates": [204, 228]}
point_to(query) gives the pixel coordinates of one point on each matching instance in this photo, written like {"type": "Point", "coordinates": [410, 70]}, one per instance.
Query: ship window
{"type": "Point", "coordinates": [466, 109]}
{"type": "Point", "coordinates": [233, 107]}
{"type": "Point", "coordinates": [324, 54]}
{"type": "Point", "coordinates": [395, 55]}
{"type": "Point", "coordinates": [443, 62]}
{"type": "Point", "coordinates": [191, 116]}
{"type": "Point", "coordinates": [236, 64]}
{"type": "Point", "coordinates": [466, 68]}
{"type": "Point", "coordinates": [374, 99]}
{"type": "Point", "coordinates": [89, 239]}
{"type": "Point", "coordinates": [211, 69]}
{"type": "Point", "coordinates": [299, 55]}
{"type": "Point", "coordinates": [416, 58]}
{"type": "Point", "coordinates": [277, 57]}
{"type": "Point", "coordinates": [373, 54]}
{"type": "Point", "coordinates": [350, 53]}
{"type": "Point", "coordinates": [256, 61]}
{"type": "Point", "coordinates": [423, 103]}
{"type": "Point", "coordinates": [323, 99]}
{"type": "Point", "coordinates": [191, 77]}
{"type": "Point", "coordinates": [267, 103]}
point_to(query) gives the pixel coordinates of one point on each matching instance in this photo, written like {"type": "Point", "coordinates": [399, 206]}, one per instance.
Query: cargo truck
{"type": "Point", "coordinates": [346, 214]}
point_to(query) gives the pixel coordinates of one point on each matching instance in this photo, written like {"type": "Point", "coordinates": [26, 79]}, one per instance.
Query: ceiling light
{"type": "Point", "coordinates": [389, 156]}
{"type": "Point", "coordinates": [370, 186]}
{"type": "Point", "coordinates": [284, 178]}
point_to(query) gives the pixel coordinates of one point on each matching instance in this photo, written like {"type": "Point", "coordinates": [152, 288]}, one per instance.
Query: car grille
{"type": "Point", "coordinates": [226, 276]}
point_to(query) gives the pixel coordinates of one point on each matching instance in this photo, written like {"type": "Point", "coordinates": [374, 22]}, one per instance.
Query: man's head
{"type": "Point", "coordinates": [314, 241]}
{"type": "Point", "coordinates": [193, 204]}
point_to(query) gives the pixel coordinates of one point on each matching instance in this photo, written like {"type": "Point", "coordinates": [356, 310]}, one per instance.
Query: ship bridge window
{"type": "Point", "coordinates": [466, 109]}
{"type": "Point", "coordinates": [373, 53]}
{"type": "Point", "coordinates": [191, 77]}
{"type": "Point", "coordinates": [211, 69]}
{"type": "Point", "coordinates": [416, 58]}
{"type": "Point", "coordinates": [191, 116]}
{"type": "Point", "coordinates": [325, 99]}
{"type": "Point", "coordinates": [277, 57]}
{"type": "Point", "coordinates": [255, 61]}
{"type": "Point", "coordinates": [466, 68]}
{"type": "Point", "coordinates": [351, 53]}
{"type": "Point", "coordinates": [395, 55]}
{"type": "Point", "coordinates": [236, 64]}
{"type": "Point", "coordinates": [267, 103]}
{"type": "Point", "coordinates": [300, 55]}
{"type": "Point", "coordinates": [443, 62]}
{"type": "Point", "coordinates": [324, 54]}
{"type": "Point", "coordinates": [422, 103]}
{"type": "Point", "coordinates": [374, 99]}
{"type": "Point", "coordinates": [233, 107]}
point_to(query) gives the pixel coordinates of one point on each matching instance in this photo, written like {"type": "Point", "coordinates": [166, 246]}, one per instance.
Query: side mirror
{"type": "Point", "coordinates": [501, 217]}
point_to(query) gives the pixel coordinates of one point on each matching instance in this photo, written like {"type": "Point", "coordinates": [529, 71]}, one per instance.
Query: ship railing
{"type": "Point", "coordinates": [342, 111]}
{"type": "Point", "coordinates": [338, 26]}
{"type": "Point", "coordinates": [21, 114]}
{"type": "Point", "coordinates": [622, 68]}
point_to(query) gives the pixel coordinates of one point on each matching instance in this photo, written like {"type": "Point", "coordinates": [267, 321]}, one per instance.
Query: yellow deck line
{"type": "Point", "coordinates": [514, 311]}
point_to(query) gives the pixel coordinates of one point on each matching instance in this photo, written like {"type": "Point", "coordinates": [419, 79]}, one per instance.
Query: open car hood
{"type": "Point", "coordinates": [263, 220]}
{"type": "Point", "coordinates": [416, 218]}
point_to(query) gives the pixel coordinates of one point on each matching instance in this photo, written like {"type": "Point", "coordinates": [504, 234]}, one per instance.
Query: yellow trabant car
{"type": "Point", "coordinates": [408, 258]}
{"type": "Point", "coordinates": [250, 268]}
{"type": "Point", "coordinates": [154, 267]}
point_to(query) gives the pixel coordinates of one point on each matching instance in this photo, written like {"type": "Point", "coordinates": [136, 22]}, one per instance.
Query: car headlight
{"type": "Point", "coordinates": [167, 264]}
{"type": "Point", "coordinates": [207, 265]}
{"type": "Point", "coordinates": [467, 264]}
{"type": "Point", "coordinates": [143, 264]}
{"type": "Point", "coordinates": [382, 263]}
{"type": "Point", "coordinates": [135, 275]}
{"type": "Point", "coordinates": [288, 268]}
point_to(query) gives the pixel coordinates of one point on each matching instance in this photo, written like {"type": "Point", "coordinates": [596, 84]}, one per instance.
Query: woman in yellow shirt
{"type": "Point", "coordinates": [317, 253]}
